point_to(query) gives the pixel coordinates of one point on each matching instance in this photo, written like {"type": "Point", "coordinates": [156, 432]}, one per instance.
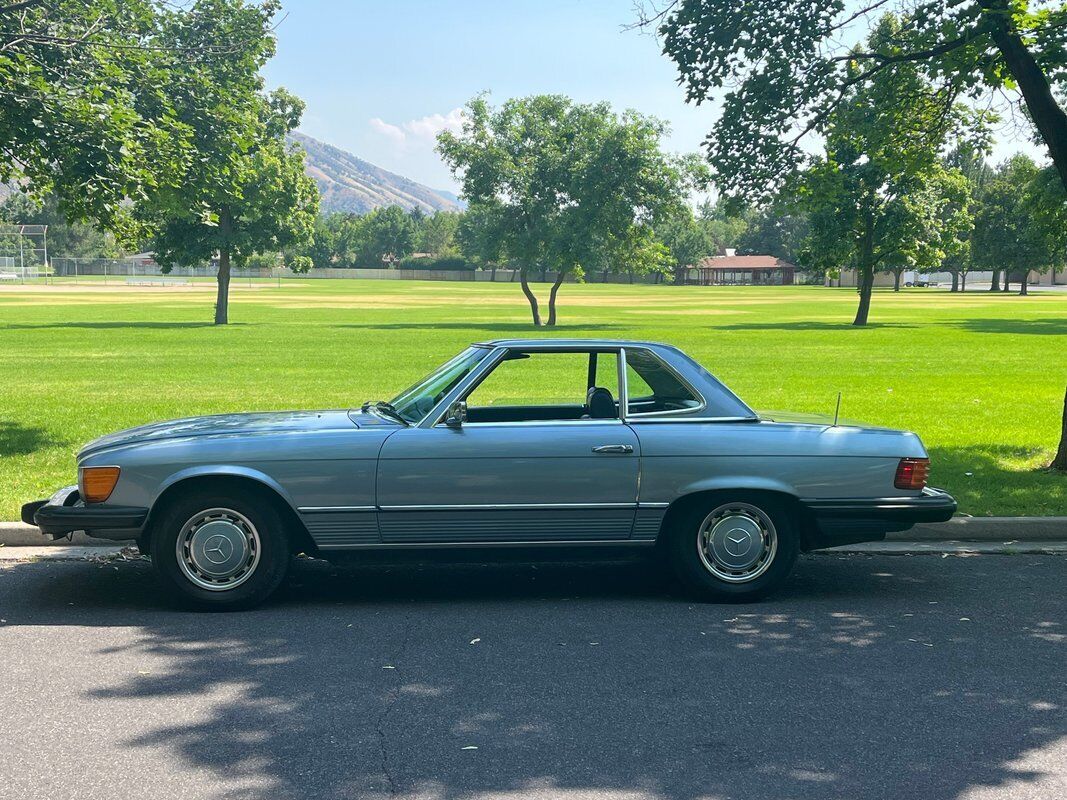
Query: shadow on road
{"type": "Point", "coordinates": [867, 677]}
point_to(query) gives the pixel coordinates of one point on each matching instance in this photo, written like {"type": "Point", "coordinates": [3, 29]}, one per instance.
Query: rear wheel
{"type": "Point", "coordinates": [218, 551]}
{"type": "Point", "coordinates": [734, 549]}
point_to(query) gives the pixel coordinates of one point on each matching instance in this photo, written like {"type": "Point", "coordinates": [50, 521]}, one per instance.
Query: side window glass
{"type": "Point", "coordinates": [653, 388]}
{"type": "Point", "coordinates": [530, 387]}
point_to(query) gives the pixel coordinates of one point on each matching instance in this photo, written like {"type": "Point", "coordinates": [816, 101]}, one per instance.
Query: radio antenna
{"type": "Point", "coordinates": [837, 411]}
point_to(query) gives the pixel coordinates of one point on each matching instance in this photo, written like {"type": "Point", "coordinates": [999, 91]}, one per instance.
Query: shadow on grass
{"type": "Point", "coordinates": [20, 440]}
{"type": "Point", "coordinates": [116, 325]}
{"type": "Point", "coordinates": [524, 327]}
{"type": "Point", "coordinates": [810, 325]}
{"type": "Point", "coordinates": [1040, 327]}
{"type": "Point", "coordinates": [521, 680]}
{"type": "Point", "coordinates": [979, 479]}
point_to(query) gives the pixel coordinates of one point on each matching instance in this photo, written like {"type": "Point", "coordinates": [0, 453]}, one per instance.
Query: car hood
{"type": "Point", "coordinates": [233, 424]}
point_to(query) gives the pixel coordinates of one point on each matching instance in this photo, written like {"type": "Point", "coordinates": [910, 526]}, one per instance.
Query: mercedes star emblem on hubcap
{"type": "Point", "coordinates": [737, 542]}
{"type": "Point", "coordinates": [218, 549]}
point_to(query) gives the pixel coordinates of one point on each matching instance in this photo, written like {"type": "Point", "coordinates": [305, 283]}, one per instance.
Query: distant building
{"type": "Point", "coordinates": [735, 270]}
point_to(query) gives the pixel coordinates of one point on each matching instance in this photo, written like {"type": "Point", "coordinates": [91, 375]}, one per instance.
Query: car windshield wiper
{"type": "Point", "coordinates": [385, 409]}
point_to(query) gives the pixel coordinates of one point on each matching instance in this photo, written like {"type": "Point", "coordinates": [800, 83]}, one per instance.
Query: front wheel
{"type": "Point", "coordinates": [734, 549]}
{"type": "Point", "coordinates": [220, 552]}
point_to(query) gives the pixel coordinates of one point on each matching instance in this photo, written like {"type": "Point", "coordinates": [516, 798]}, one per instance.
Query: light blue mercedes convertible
{"type": "Point", "coordinates": [545, 443]}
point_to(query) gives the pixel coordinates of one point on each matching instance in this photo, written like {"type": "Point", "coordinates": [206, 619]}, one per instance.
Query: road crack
{"type": "Point", "coordinates": [391, 699]}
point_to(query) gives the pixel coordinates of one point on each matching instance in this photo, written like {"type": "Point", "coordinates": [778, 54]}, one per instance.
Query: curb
{"type": "Point", "coordinates": [17, 534]}
{"type": "Point", "coordinates": [957, 529]}
{"type": "Point", "coordinates": [987, 529]}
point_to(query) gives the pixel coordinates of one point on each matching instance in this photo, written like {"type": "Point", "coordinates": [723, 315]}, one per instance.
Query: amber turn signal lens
{"type": "Point", "coordinates": [97, 483]}
{"type": "Point", "coordinates": [912, 473]}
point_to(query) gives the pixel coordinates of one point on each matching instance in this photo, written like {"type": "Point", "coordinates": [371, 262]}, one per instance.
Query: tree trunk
{"type": "Point", "coordinates": [866, 286]}
{"type": "Point", "coordinates": [1007, 281]}
{"type": "Point", "coordinates": [222, 301]}
{"type": "Point", "coordinates": [534, 310]}
{"type": "Point", "coordinates": [1060, 461]}
{"type": "Point", "coordinates": [896, 281]}
{"type": "Point", "coordinates": [955, 281]}
{"type": "Point", "coordinates": [1023, 283]}
{"type": "Point", "coordinates": [994, 284]}
{"type": "Point", "coordinates": [1049, 119]}
{"type": "Point", "coordinates": [963, 282]}
{"type": "Point", "coordinates": [865, 271]}
{"type": "Point", "coordinates": [544, 274]}
{"type": "Point", "coordinates": [492, 272]}
{"type": "Point", "coordinates": [552, 299]}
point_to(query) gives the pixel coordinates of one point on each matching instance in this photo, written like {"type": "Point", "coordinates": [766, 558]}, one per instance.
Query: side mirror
{"type": "Point", "coordinates": [457, 414]}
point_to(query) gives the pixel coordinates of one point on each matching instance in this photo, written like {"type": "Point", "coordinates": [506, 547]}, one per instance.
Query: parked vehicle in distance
{"type": "Point", "coordinates": [547, 443]}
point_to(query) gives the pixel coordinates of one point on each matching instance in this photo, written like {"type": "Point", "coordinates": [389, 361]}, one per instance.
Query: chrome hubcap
{"type": "Point", "coordinates": [218, 549]}
{"type": "Point", "coordinates": [737, 542]}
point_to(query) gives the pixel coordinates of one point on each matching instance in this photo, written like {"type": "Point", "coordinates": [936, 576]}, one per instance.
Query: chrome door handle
{"type": "Point", "coordinates": [614, 448]}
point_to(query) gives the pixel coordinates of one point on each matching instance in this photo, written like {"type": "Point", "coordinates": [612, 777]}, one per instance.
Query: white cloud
{"type": "Point", "coordinates": [391, 132]}
{"type": "Point", "coordinates": [419, 131]}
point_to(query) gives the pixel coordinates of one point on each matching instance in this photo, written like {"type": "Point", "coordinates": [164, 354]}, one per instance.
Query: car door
{"type": "Point", "coordinates": [529, 465]}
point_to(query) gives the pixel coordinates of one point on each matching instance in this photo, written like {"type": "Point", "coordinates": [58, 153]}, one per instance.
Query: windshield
{"type": "Point", "coordinates": [414, 403]}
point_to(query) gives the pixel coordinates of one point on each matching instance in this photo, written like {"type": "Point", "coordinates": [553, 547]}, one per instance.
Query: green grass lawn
{"type": "Point", "coordinates": [980, 377]}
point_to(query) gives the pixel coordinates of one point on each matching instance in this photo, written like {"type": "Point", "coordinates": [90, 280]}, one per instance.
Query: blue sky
{"type": "Point", "coordinates": [381, 78]}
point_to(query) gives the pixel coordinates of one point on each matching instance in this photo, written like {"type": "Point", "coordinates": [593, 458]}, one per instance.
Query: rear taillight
{"type": "Point", "coordinates": [912, 473]}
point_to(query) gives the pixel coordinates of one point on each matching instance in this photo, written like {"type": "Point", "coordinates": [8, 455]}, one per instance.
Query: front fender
{"type": "Point", "coordinates": [224, 471]}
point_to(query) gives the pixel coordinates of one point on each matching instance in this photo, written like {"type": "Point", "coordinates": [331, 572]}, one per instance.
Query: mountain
{"type": "Point", "coordinates": [347, 183]}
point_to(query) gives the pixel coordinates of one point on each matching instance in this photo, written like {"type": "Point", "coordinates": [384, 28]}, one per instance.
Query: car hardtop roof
{"type": "Point", "coordinates": [568, 344]}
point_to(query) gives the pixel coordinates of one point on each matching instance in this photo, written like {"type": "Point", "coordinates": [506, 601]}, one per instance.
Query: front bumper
{"type": "Point", "coordinates": [838, 521]}
{"type": "Point", "coordinates": [65, 513]}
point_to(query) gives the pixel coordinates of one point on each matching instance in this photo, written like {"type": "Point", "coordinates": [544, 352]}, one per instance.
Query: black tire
{"type": "Point", "coordinates": [253, 522]}
{"type": "Point", "coordinates": [762, 519]}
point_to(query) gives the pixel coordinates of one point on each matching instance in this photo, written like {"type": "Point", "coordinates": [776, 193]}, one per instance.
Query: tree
{"type": "Point", "coordinates": [477, 237]}
{"type": "Point", "coordinates": [780, 93]}
{"type": "Point", "coordinates": [786, 72]}
{"type": "Point", "coordinates": [1005, 236]}
{"type": "Point", "coordinates": [75, 240]}
{"type": "Point", "coordinates": [437, 233]}
{"type": "Point", "coordinates": [83, 112]}
{"type": "Point", "coordinates": [722, 223]}
{"type": "Point", "coordinates": [1045, 204]}
{"type": "Point", "coordinates": [565, 186]}
{"type": "Point", "coordinates": [244, 191]}
{"type": "Point", "coordinates": [778, 228]}
{"type": "Point", "coordinates": [687, 242]}
{"type": "Point", "coordinates": [386, 233]}
{"type": "Point", "coordinates": [876, 197]}
{"type": "Point", "coordinates": [969, 160]}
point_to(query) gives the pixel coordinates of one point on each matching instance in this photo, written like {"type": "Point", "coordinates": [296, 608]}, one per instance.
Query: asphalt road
{"type": "Point", "coordinates": [869, 677]}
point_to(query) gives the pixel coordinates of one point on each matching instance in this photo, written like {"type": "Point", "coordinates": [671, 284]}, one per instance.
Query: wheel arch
{"type": "Point", "coordinates": [238, 479]}
{"type": "Point", "coordinates": [706, 496]}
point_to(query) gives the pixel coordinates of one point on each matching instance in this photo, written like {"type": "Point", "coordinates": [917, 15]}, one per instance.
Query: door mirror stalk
{"type": "Point", "coordinates": [457, 414]}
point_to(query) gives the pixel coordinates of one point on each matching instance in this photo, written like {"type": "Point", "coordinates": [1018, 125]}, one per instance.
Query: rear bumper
{"type": "Point", "coordinates": [837, 521]}
{"type": "Point", "coordinates": [65, 513]}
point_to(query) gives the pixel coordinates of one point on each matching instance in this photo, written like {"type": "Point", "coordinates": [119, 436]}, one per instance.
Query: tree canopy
{"type": "Point", "coordinates": [244, 190]}
{"type": "Point", "coordinates": [782, 68]}
{"type": "Point", "coordinates": [567, 186]}
{"type": "Point", "coordinates": [878, 196]}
